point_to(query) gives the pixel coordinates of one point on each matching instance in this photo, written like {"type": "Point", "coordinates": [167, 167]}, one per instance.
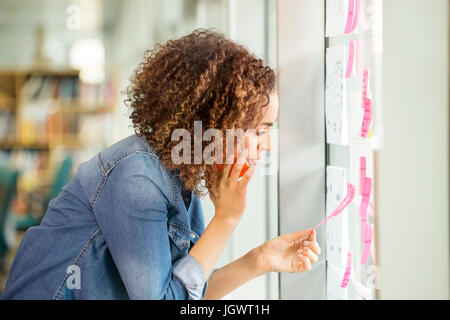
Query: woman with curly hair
{"type": "Point", "coordinates": [129, 224]}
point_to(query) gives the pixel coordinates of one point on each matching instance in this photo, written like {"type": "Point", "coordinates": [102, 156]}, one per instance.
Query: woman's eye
{"type": "Point", "coordinates": [259, 133]}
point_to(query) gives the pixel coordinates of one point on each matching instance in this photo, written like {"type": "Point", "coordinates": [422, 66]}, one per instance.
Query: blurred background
{"type": "Point", "coordinates": [64, 64]}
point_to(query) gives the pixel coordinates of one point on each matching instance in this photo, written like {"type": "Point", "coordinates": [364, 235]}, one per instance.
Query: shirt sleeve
{"type": "Point", "coordinates": [132, 214]}
{"type": "Point", "coordinates": [190, 273]}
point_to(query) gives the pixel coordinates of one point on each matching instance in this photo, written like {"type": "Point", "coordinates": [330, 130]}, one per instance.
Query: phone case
{"type": "Point", "coordinates": [244, 168]}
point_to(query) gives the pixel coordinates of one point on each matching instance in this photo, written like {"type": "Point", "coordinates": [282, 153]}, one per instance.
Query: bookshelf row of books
{"type": "Point", "coordinates": [69, 90]}
{"type": "Point", "coordinates": [105, 93]}
{"type": "Point", "coordinates": [6, 100]}
{"type": "Point", "coordinates": [24, 161]}
{"type": "Point", "coordinates": [51, 87]}
{"type": "Point", "coordinates": [47, 114]}
{"type": "Point", "coordinates": [85, 128]}
{"type": "Point", "coordinates": [57, 106]}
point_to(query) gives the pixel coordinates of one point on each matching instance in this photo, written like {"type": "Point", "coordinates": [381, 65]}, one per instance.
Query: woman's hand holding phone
{"type": "Point", "coordinates": [230, 191]}
{"type": "Point", "coordinates": [244, 168]}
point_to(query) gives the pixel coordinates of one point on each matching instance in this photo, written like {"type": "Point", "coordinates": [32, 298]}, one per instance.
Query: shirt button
{"type": "Point", "coordinates": [192, 235]}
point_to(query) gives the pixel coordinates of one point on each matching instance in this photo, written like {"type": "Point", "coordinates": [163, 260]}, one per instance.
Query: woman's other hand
{"type": "Point", "coordinates": [292, 252]}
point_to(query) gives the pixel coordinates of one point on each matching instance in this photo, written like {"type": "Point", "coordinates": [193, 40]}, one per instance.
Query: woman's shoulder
{"type": "Point", "coordinates": [124, 148]}
{"type": "Point", "coordinates": [132, 158]}
{"type": "Point", "coordinates": [126, 159]}
{"type": "Point", "coordinates": [132, 153]}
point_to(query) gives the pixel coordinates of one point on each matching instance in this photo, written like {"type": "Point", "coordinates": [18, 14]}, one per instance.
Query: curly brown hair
{"type": "Point", "coordinates": [201, 76]}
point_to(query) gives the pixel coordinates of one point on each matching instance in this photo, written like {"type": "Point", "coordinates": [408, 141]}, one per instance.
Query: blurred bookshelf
{"type": "Point", "coordinates": [46, 115]}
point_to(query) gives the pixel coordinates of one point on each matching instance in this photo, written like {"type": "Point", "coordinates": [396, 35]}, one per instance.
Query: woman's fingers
{"type": "Point", "coordinates": [247, 176]}
{"type": "Point", "coordinates": [310, 254]}
{"type": "Point", "coordinates": [237, 168]}
{"type": "Point", "coordinates": [299, 264]}
{"type": "Point", "coordinates": [315, 248]}
{"type": "Point", "coordinates": [312, 236]}
{"type": "Point", "coordinates": [306, 264]}
{"type": "Point", "coordinates": [309, 251]}
{"type": "Point", "coordinates": [296, 236]}
{"type": "Point", "coordinates": [313, 245]}
{"type": "Point", "coordinates": [225, 172]}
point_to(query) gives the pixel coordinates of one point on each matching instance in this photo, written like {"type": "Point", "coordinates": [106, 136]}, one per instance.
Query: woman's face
{"type": "Point", "coordinates": [262, 137]}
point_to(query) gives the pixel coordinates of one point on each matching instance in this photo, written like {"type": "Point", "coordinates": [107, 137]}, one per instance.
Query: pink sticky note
{"type": "Point", "coordinates": [367, 244]}
{"type": "Point", "coordinates": [365, 197]}
{"type": "Point", "coordinates": [351, 9]}
{"type": "Point", "coordinates": [367, 119]}
{"type": "Point", "coordinates": [356, 15]}
{"type": "Point", "coordinates": [363, 229]}
{"type": "Point", "coordinates": [365, 255]}
{"type": "Point", "coordinates": [364, 206]}
{"type": "Point", "coordinates": [344, 203]}
{"type": "Point", "coordinates": [365, 84]}
{"type": "Point", "coordinates": [367, 103]}
{"type": "Point", "coordinates": [362, 176]}
{"type": "Point", "coordinates": [348, 269]}
{"type": "Point", "coordinates": [351, 58]}
{"type": "Point", "coordinates": [369, 231]}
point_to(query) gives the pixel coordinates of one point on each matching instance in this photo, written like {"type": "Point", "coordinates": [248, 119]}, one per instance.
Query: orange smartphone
{"type": "Point", "coordinates": [244, 168]}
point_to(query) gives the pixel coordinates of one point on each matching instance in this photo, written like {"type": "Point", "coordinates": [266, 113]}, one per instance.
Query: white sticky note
{"type": "Point", "coordinates": [361, 291]}
{"type": "Point", "coordinates": [334, 279]}
{"type": "Point", "coordinates": [336, 17]}
{"type": "Point", "coordinates": [337, 242]}
{"type": "Point", "coordinates": [364, 16]}
{"type": "Point", "coordinates": [335, 96]}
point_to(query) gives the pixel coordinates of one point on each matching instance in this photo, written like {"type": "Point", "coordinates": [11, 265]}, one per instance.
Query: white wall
{"type": "Point", "coordinates": [19, 20]}
{"type": "Point", "coordinates": [301, 58]}
{"type": "Point", "coordinates": [413, 175]}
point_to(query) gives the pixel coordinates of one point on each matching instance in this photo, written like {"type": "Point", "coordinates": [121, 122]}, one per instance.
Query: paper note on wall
{"type": "Point", "coordinates": [358, 148]}
{"type": "Point", "coordinates": [356, 114]}
{"type": "Point", "coordinates": [348, 270]}
{"type": "Point", "coordinates": [359, 56]}
{"type": "Point", "coordinates": [361, 291]}
{"type": "Point", "coordinates": [337, 242]}
{"type": "Point", "coordinates": [336, 17]}
{"type": "Point", "coordinates": [350, 59]}
{"type": "Point", "coordinates": [364, 16]}
{"type": "Point", "coordinates": [356, 14]}
{"type": "Point", "coordinates": [334, 279]}
{"type": "Point", "coordinates": [335, 96]}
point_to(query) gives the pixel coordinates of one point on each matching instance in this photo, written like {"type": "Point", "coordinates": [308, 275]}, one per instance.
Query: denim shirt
{"type": "Point", "coordinates": [120, 229]}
